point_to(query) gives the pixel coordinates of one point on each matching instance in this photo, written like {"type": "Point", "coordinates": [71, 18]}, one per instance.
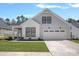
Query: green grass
{"type": "Point", "coordinates": [76, 41]}
{"type": "Point", "coordinates": [23, 47]}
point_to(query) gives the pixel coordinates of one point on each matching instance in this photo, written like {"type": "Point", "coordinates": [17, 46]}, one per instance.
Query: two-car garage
{"type": "Point", "coordinates": [57, 34]}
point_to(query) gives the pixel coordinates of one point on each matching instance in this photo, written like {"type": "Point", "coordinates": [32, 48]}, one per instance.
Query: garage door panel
{"type": "Point", "coordinates": [54, 35]}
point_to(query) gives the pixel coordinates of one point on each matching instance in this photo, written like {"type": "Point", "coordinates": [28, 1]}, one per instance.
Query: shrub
{"type": "Point", "coordinates": [2, 37]}
{"type": "Point", "coordinates": [40, 39]}
{"type": "Point", "coordinates": [9, 38]}
{"type": "Point", "coordinates": [5, 37]}
{"type": "Point", "coordinates": [75, 39]}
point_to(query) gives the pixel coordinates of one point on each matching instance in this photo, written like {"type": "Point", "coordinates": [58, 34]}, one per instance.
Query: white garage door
{"type": "Point", "coordinates": [54, 34]}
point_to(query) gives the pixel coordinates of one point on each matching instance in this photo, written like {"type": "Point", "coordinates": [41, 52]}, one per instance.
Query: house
{"type": "Point", "coordinates": [75, 23]}
{"type": "Point", "coordinates": [46, 25]}
{"type": "Point", "coordinates": [5, 29]}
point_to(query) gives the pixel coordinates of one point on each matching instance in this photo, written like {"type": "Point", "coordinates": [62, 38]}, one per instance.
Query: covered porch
{"type": "Point", "coordinates": [17, 32]}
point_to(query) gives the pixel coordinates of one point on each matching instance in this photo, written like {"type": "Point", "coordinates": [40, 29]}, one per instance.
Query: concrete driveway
{"type": "Point", "coordinates": [63, 48]}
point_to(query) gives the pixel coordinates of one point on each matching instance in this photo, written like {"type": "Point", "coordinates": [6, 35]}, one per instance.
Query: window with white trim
{"type": "Point", "coordinates": [30, 31]}
{"type": "Point", "coordinates": [45, 30]}
{"type": "Point", "coordinates": [51, 31]}
{"type": "Point", "coordinates": [46, 20]}
{"type": "Point", "coordinates": [62, 30]}
{"type": "Point", "coordinates": [43, 20]}
{"type": "Point", "coordinates": [56, 30]}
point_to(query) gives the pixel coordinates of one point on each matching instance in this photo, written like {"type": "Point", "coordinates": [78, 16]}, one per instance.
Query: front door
{"type": "Point", "coordinates": [30, 32]}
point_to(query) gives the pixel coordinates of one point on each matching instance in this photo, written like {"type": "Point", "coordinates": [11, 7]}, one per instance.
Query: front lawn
{"type": "Point", "coordinates": [23, 46]}
{"type": "Point", "coordinates": [76, 41]}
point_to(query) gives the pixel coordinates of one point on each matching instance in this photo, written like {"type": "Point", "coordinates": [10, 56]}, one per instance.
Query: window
{"type": "Point", "coordinates": [30, 31]}
{"type": "Point", "coordinates": [56, 30]}
{"type": "Point", "coordinates": [33, 32]}
{"type": "Point", "coordinates": [45, 30]}
{"type": "Point", "coordinates": [62, 31]}
{"type": "Point", "coordinates": [49, 20]}
{"type": "Point", "coordinates": [51, 31]}
{"type": "Point", "coordinates": [46, 20]}
{"type": "Point", "coordinates": [43, 20]}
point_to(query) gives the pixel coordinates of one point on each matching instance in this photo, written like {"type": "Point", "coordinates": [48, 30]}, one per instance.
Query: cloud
{"type": "Point", "coordinates": [28, 15]}
{"type": "Point", "coordinates": [10, 3]}
{"type": "Point", "coordinates": [42, 5]}
{"type": "Point", "coordinates": [75, 5]}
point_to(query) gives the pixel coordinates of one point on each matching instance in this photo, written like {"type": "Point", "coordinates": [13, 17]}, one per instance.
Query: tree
{"type": "Point", "coordinates": [22, 18]}
{"type": "Point", "coordinates": [26, 18]}
{"type": "Point", "coordinates": [7, 21]}
{"type": "Point", "coordinates": [71, 20]}
{"type": "Point", "coordinates": [77, 20]}
{"type": "Point", "coordinates": [18, 19]}
{"type": "Point", "coordinates": [13, 22]}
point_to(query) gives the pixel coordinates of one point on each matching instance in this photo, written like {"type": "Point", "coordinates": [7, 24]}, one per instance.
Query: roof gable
{"type": "Point", "coordinates": [46, 10]}
{"type": "Point", "coordinates": [29, 21]}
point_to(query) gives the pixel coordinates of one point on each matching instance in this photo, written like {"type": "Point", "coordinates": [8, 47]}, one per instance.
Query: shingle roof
{"type": "Point", "coordinates": [75, 24]}
{"type": "Point", "coordinates": [4, 25]}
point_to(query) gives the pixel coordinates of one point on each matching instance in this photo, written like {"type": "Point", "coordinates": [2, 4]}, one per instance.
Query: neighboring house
{"type": "Point", "coordinates": [46, 25]}
{"type": "Point", "coordinates": [5, 29]}
{"type": "Point", "coordinates": [75, 23]}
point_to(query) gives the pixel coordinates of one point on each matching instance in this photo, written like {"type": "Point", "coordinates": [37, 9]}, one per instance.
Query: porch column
{"type": "Point", "coordinates": [17, 33]}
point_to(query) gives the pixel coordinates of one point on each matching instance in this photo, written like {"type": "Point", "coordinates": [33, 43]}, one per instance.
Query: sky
{"type": "Point", "coordinates": [12, 10]}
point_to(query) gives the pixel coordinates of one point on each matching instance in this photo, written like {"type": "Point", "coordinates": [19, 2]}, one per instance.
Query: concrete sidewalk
{"type": "Point", "coordinates": [25, 54]}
